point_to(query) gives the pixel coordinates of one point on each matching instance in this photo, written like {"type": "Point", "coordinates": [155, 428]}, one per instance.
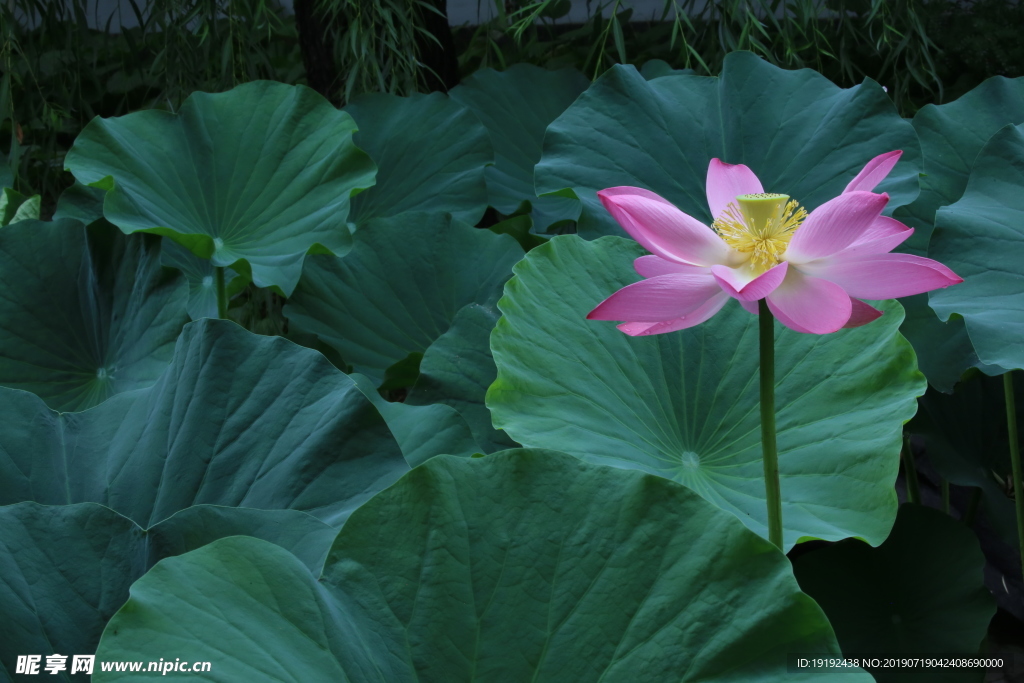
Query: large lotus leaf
{"type": "Point", "coordinates": [81, 202]}
{"type": "Point", "coordinates": [944, 349]}
{"type": "Point", "coordinates": [656, 68]}
{"type": "Point", "coordinates": [516, 106]}
{"type": "Point", "coordinates": [400, 287]}
{"type": "Point", "coordinates": [16, 207]}
{"type": "Point", "coordinates": [237, 419]}
{"type": "Point", "coordinates": [981, 237]}
{"type": "Point", "coordinates": [201, 275]}
{"type": "Point", "coordinates": [801, 135]}
{"type": "Point", "coordinates": [431, 151]}
{"type": "Point", "coordinates": [921, 592]}
{"type": "Point", "coordinates": [303, 535]}
{"type": "Point", "coordinates": [967, 441]}
{"type": "Point", "coordinates": [65, 570]}
{"type": "Point", "coordinates": [685, 405]}
{"type": "Point", "coordinates": [457, 369]}
{"type": "Point", "coordinates": [520, 227]}
{"type": "Point", "coordinates": [422, 431]}
{"type": "Point", "coordinates": [520, 566]}
{"type": "Point", "coordinates": [257, 176]}
{"type": "Point", "coordinates": [951, 136]}
{"type": "Point", "coordinates": [86, 313]}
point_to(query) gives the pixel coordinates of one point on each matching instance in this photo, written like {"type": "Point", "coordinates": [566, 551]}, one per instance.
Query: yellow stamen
{"type": "Point", "coordinates": [760, 225]}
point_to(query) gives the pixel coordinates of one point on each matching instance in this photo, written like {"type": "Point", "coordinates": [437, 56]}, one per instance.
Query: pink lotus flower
{"type": "Point", "coordinates": [813, 269]}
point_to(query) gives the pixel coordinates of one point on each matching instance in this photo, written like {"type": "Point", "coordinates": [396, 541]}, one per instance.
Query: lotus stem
{"type": "Point", "coordinates": [222, 292]}
{"type": "Point", "coordinates": [945, 496]}
{"type": "Point", "coordinates": [910, 472]}
{"type": "Point", "coordinates": [769, 447]}
{"type": "Point", "coordinates": [1018, 487]}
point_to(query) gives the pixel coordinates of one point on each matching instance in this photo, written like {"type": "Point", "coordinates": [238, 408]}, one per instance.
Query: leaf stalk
{"type": "Point", "coordinates": [769, 446]}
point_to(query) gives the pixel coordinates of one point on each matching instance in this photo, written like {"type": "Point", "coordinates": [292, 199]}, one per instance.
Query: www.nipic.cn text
{"type": "Point", "coordinates": [56, 663]}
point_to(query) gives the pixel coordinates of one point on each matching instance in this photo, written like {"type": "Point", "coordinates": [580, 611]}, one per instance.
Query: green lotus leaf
{"type": "Point", "coordinates": [87, 313]}
{"type": "Point", "coordinates": [200, 274]}
{"type": "Point", "coordinates": [399, 288]}
{"type": "Point", "coordinates": [457, 369]}
{"type": "Point", "coordinates": [16, 207]}
{"type": "Point", "coordinates": [921, 592]}
{"type": "Point", "coordinates": [431, 151]}
{"type": "Point", "coordinates": [28, 210]}
{"type": "Point", "coordinates": [501, 569]}
{"type": "Point", "coordinates": [237, 419]}
{"type": "Point", "coordinates": [944, 349]}
{"type": "Point", "coordinates": [685, 405]}
{"type": "Point", "coordinates": [303, 535]}
{"type": "Point", "coordinates": [516, 106]}
{"type": "Point", "coordinates": [422, 431]}
{"type": "Point", "coordinates": [67, 569]}
{"type": "Point", "coordinates": [403, 374]}
{"type": "Point", "coordinates": [81, 202]}
{"type": "Point", "coordinates": [967, 441]}
{"type": "Point", "coordinates": [981, 237]}
{"type": "Point", "coordinates": [656, 68]}
{"type": "Point", "coordinates": [801, 135]}
{"type": "Point", "coordinates": [253, 178]}
{"type": "Point", "coordinates": [951, 136]}
{"type": "Point", "coordinates": [520, 227]}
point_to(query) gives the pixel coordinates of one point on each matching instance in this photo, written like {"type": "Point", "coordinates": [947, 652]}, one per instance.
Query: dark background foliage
{"type": "Point", "coordinates": [58, 72]}
{"type": "Point", "coordinates": [61, 68]}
